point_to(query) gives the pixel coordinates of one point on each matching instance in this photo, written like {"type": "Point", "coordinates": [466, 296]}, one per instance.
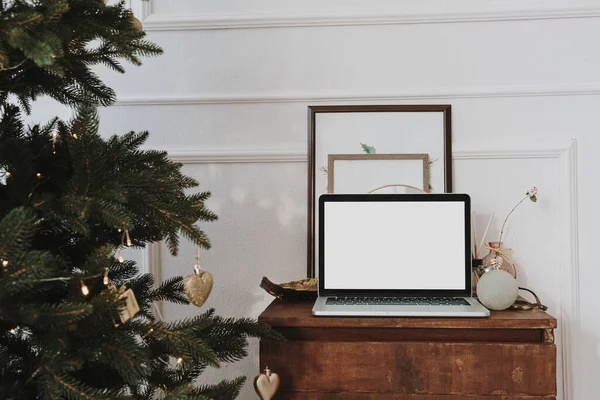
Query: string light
{"type": "Point", "coordinates": [38, 175]}
{"type": "Point", "coordinates": [179, 360]}
{"type": "Point", "coordinates": [148, 333]}
{"type": "Point", "coordinates": [5, 263]}
{"type": "Point", "coordinates": [128, 238]}
{"type": "Point", "coordinates": [105, 279]}
{"type": "Point", "coordinates": [84, 289]}
{"type": "Point", "coordinates": [13, 331]}
{"type": "Point", "coordinates": [75, 136]}
{"type": "Point", "coordinates": [120, 257]}
{"type": "Point", "coordinates": [54, 135]}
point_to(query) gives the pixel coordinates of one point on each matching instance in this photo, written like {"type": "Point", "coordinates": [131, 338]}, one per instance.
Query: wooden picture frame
{"type": "Point", "coordinates": [423, 158]}
{"type": "Point", "coordinates": [390, 129]}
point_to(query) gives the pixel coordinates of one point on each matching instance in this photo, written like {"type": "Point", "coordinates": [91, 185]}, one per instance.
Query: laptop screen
{"type": "Point", "coordinates": [395, 245]}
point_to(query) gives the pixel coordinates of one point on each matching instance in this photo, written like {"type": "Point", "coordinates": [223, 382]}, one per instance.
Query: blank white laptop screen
{"type": "Point", "coordinates": [394, 245]}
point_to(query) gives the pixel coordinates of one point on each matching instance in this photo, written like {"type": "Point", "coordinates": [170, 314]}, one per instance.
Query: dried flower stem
{"type": "Point", "coordinates": [506, 219]}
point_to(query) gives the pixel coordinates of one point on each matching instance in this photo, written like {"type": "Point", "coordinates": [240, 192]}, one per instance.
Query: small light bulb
{"type": "Point", "coordinates": [120, 257]}
{"type": "Point", "coordinates": [84, 289]}
{"type": "Point", "coordinates": [179, 360]}
{"type": "Point", "coordinates": [75, 136]}
{"type": "Point", "coordinates": [7, 173]}
{"type": "Point", "coordinates": [5, 263]}
{"type": "Point", "coordinates": [151, 330]}
{"type": "Point", "coordinates": [128, 238]}
{"type": "Point", "coordinates": [13, 331]}
{"type": "Point", "coordinates": [38, 175]}
{"type": "Point", "coordinates": [105, 279]}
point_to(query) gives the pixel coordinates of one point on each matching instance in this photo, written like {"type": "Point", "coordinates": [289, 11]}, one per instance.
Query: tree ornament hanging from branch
{"type": "Point", "coordinates": [136, 23]}
{"type": "Point", "coordinates": [197, 286]}
{"type": "Point", "coordinates": [266, 384]}
{"type": "Point", "coordinates": [130, 307]}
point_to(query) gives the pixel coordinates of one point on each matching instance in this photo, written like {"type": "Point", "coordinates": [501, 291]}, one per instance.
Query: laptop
{"type": "Point", "coordinates": [402, 255]}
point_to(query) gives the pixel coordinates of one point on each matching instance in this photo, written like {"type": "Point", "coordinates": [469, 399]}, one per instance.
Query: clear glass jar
{"type": "Point", "coordinates": [498, 258]}
{"type": "Point", "coordinates": [477, 271]}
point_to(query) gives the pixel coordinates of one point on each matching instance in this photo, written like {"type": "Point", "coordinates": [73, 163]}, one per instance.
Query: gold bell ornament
{"type": "Point", "coordinates": [266, 384]}
{"type": "Point", "coordinates": [197, 286]}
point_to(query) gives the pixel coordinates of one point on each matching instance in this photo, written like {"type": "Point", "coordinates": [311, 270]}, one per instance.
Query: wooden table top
{"type": "Point", "coordinates": [282, 313]}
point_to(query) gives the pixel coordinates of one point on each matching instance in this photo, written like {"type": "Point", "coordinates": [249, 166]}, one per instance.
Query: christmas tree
{"type": "Point", "coordinates": [76, 319]}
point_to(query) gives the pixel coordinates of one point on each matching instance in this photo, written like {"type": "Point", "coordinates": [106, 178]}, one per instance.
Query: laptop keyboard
{"type": "Point", "coordinates": [397, 301]}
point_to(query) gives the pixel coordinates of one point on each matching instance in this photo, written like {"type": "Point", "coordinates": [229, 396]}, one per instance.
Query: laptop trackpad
{"type": "Point", "coordinates": [349, 308]}
{"type": "Point", "coordinates": [399, 308]}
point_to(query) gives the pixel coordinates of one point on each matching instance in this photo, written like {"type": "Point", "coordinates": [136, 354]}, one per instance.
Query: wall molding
{"type": "Point", "coordinates": [151, 260]}
{"type": "Point", "coordinates": [569, 321]}
{"type": "Point", "coordinates": [141, 9]}
{"type": "Point", "coordinates": [152, 264]}
{"type": "Point", "coordinates": [555, 152]}
{"type": "Point", "coordinates": [178, 22]}
{"type": "Point", "coordinates": [299, 153]}
{"type": "Point", "coordinates": [569, 242]}
{"type": "Point", "coordinates": [241, 154]}
{"type": "Point", "coordinates": [323, 98]}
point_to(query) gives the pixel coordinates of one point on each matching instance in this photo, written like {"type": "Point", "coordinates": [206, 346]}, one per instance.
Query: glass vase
{"type": "Point", "coordinates": [477, 271]}
{"type": "Point", "coordinates": [498, 258]}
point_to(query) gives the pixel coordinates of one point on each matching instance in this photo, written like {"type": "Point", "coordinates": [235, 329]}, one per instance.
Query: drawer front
{"type": "Point", "coordinates": [501, 370]}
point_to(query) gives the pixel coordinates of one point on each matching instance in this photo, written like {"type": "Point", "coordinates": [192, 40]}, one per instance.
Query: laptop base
{"type": "Point", "coordinates": [474, 309]}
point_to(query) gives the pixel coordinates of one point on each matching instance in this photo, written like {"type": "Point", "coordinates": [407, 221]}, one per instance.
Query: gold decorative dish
{"type": "Point", "coordinates": [294, 290]}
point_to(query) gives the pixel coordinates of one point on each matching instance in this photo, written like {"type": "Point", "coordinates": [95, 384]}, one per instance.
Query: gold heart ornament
{"type": "Point", "coordinates": [197, 286]}
{"type": "Point", "coordinates": [266, 384]}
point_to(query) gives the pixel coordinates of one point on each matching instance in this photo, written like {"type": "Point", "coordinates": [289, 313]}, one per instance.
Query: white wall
{"type": "Point", "coordinates": [230, 99]}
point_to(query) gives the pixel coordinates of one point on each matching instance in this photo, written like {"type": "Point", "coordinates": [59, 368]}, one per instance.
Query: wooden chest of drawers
{"type": "Point", "coordinates": [509, 356]}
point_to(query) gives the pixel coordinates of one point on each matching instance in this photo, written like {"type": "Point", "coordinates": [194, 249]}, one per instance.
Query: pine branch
{"type": "Point", "coordinates": [49, 47]}
{"type": "Point", "coordinates": [125, 355]}
{"type": "Point", "coordinates": [119, 273]}
{"type": "Point", "coordinates": [16, 231]}
{"type": "Point", "coordinates": [72, 389]}
{"type": "Point", "coordinates": [45, 315]}
{"type": "Point", "coordinates": [170, 290]}
{"type": "Point", "coordinates": [182, 344]}
{"type": "Point", "coordinates": [181, 392]}
{"type": "Point", "coordinates": [225, 390]}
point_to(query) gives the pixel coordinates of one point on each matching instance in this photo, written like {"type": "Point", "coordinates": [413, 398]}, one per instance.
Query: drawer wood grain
{"type": "Point", "coordinates": [416, 368]}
